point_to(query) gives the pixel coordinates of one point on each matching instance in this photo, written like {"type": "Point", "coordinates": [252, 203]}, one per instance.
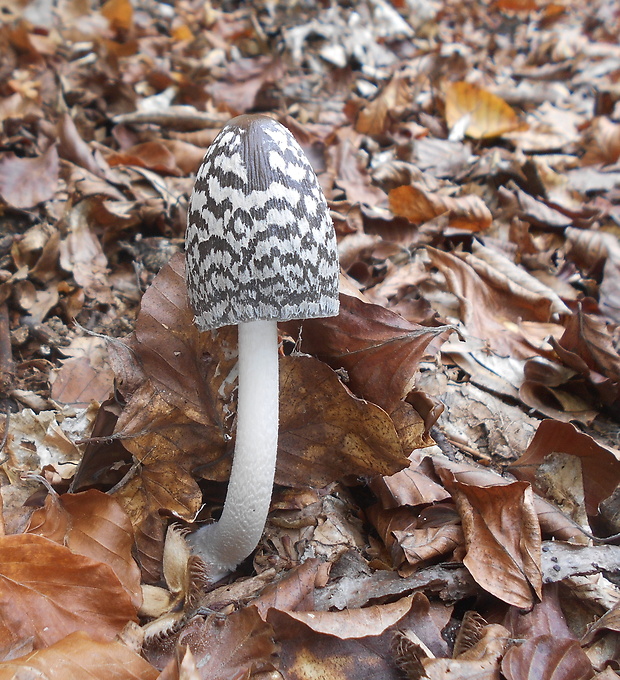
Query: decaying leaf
{"type": "Point", "coordinates": [481, 113]}
{"type": "Point", "coordinates": [24, 182]}
{"type": "Point", "coordinates": [94, 525]}
{"type": "Point", "coordinates": [78, 656]}
{"type": "Point", "coordinates": [418, 205]}
{"type": "Point", "coordinates": [48, 592]}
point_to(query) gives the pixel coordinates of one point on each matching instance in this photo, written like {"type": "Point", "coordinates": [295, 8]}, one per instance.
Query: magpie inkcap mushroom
{"type": "Point", "coordinates": [260, 248]}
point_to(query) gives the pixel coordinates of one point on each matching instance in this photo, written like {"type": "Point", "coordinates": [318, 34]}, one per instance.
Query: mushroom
{"type": "Point", "coordinates": [260, 248]}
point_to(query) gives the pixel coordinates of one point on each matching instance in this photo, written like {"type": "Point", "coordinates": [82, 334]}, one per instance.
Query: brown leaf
{"type": "Point", "coordinates": [589, 338]}
{"type": "Point", "coordinates": [601, 142]}
{"type": "Point", "coordinates": [374, 118]}
{"type": "Point", "coordinates": [411, 486]}
{"type": "Point", "coordinates": [601, 467]}
{"type": "Point", "coordinates": [419, 205]}
{"type": "Point", "coordinates": [345, 162]}
{"type": "Point", "coordinates": [487, 114]}
{"type": "Point", "coordinates": [429, 544]}
{"type": "Point", "coordinates": [73, 148]}
{"type": "Point", "coordinates": [308, 654]}
{"type": "Point", "coordinates": [353, 623]}
{"type": "Point", "coordinates": [547, 658]}
{"type": "Point", "coordinates": [490, 312]}
{"type": "Point", "coordinates": [94, 525]}
{"type": "Point", "coordinates": [119, 13]}
{"type": "Point", "coordinates": [326, 433]}
{"type": "Point", "coordinates": [502, 538]}
{"type": "Point", "coordinates": [152, 155]}
{"type": "Point", "coordinates": [25, 182]}
{"type": "Point", "coordinates": [48, 592]}
{"type": "Point", "coordinates": [77, 657]}
{"type": "Point", "coordinates": [240, 644]}
{"type": "Point", "coordinates": [81, 254]}
{"type": "Point", "coordinates": [379, 349]}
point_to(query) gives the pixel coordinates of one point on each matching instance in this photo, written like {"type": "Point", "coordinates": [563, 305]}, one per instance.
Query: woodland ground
{"type": "Point", "coordinates": [446, 497]}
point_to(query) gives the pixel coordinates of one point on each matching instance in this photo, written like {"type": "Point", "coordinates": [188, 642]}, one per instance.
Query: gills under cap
{"type": "Point", "coordinates": [260, 243]}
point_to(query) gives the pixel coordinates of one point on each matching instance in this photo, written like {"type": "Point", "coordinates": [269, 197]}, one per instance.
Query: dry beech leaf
{"type": "Point", "coordinates": [25, 182]}
{"type": "Point", "coordinates": [418, 205]}
{"type": "Point", "coordinates": [305, 653]}
{"type": "Point", "coordinates": [119, 13]}
{"type": "Point", "coordinates": [489, 312]}
{"type": "Point", "coordinates": [601, 142]}
{"type": "Point", "coordinates": [502, 538]}
{"type": "Point", "coordinates": [547, 658]}
{"type": "Point", "coordinates": [589, 339]}
{"type": "Point", "coordinates": [379, 349]}
{"type": "Point", "coordinates": [77, 657]}
{"type": "Point", "coordinates": [291, 590]}
{"type": "Point", "coordinates": [237, 647]}
{"type": "Point", "coordinates": [429, 544]}
{"type": "Point", "coordinates": [601, 466]}
{"type": "Point", "coordinates": [375, 117]}
{"type": "Point", "coordinates": [326, 433]}
{"type": "Point", "coordinates": [354, 623]}
{"type": "Point", "coordinates": [48, 592]}
{"type": "Point", "coordinates": [516, 279]}
{"type": "Point", "coordinates": [487, 114]}
{"type": "Point", "coordinates": [410, 486]}
{"type": "Point", "coordinates": [92, 524]}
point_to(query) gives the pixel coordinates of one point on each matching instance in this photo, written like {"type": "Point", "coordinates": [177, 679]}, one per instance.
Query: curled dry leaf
{"type": "Point", "coordinates": [305, 653]}
{"type": "Point", "coordinates": [602, 142]}
{"type": "Point", "coordinates": [490, 312]}
{"type": "Point", "coordinates": [25, 182]}
{"type": "Point", "coordinates": [588, 340]}
{"type": "Point", "coordinates": [92, 524]}
{"type": "Point", "coordinates": [547, 658]}
{"type": "Point", "coordinates": [77, 657]}
{"type": "Point", "coordinates": [418, 205]}
{"type": "Point", "coordinates": [429, 544]}
{"type": "Point", "coordinates": [502, 538]}
{"type": "Point", "coordinates": [326, 433]}
{"type": "Point", "coordinates": [48, 592]}
{"type": "Point", "coordinates": [600, 464]}
{"type": "Point", "coordinates": [379, 349]}
{"type": "Point", "coordinates": [486, 114]}
{"type": "Point", "coordinates": [375, 117]}
{"type": "Point", "coordinates": [237, 647]}
{"type": "Point", "coordinates": [353, 623]}
{"type": "Point", "coordinates": [513, 278]}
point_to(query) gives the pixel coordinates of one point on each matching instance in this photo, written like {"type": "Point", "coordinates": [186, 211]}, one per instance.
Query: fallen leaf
{"type": "Point", "coordinates": [25, 182]}
{"type": "Point", "coordinates": [419, 205]}
{"type": "Point", "coordinates": [48, 592]}
{"type": "Point", "coordinates": [502, 539]}
{"type": "Point", "coordinates": [78, 656]}
{"type": "Point", "coordinates": [94, 525]}
{"type": "Point", "coordinates": [547, 658]}
{"type": "Point", "coordinates": [486, 114]}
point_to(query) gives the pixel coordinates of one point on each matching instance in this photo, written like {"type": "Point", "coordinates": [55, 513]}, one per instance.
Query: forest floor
{"type": "Point", "coordinates": [446, 498]}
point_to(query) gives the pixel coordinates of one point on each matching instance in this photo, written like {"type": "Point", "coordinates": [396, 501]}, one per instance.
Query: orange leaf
{"type": "Point", "coordinates": [489, 115]}
{"type": "Point", "coordinates": [418, 205]}
{"type": "Point", "coordinates": [48, 592]}
{"type": "Point", "coordinates": [77, 657]}
{"type": "Point", "coordinates": [119, 13]}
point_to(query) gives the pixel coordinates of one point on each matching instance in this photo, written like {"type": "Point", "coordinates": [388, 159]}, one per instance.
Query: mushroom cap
{"type": "Point", "coordinates": [260, 243]}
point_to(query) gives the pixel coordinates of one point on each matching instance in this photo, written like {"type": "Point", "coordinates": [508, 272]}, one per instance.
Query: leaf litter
{"type": "Point", "coordinates": [446, 498]}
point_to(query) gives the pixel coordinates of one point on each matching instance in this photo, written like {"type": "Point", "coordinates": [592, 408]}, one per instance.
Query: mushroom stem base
{"type": "Point", "coordinates": [222, 546]}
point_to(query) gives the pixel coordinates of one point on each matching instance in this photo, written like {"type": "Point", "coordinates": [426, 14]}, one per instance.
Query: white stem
{"type": "Point", "coordinates": [225, 544]}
